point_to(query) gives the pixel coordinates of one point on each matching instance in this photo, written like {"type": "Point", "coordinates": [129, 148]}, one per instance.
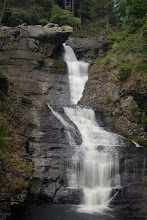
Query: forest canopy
{"type": "Point", "coordinates": [93, 15]}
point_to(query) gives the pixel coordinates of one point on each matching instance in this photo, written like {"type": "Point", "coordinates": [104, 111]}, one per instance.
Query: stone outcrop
{"type": "Point", "coordinates": [87, 48]}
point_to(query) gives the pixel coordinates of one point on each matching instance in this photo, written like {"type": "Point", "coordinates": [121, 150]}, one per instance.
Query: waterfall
{"type": "Point", "coordinates": [94, 167]}
{"type": "Point", "coordinates": [78, 74]}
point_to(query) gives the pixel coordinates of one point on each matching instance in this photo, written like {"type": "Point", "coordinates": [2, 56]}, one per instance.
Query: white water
{"type": "Point", "coordinates": [95, 165]}
{"type": "Point", "coordinates": [78, 74]}
{"type": "Point", "coordinates": [66, 125]}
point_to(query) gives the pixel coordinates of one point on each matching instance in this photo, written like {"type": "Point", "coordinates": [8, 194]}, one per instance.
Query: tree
{"type": "Point", "coordinates": [132, 13]}
{"type": "Point", "coordinates": [2, 13]}
{"type": "Point", "coordinates": [63, 17]}
{"type": "Point", "coordinates": [73, 8]}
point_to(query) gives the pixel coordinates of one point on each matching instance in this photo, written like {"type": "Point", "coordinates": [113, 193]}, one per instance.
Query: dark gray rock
{"type": "Point", "coordinates": [40, 80]}
{"type": "Point", "coordinates": [85, 48]}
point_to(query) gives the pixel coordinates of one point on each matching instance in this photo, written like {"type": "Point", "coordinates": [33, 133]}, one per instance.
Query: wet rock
{"type": "Point", "coordinates": [85, 48]}
{"type": "Point", "coordinates": [39, 80]}
{"type": "Point", "coordinates": [33, 44]}
{"type": "Point", "coordinates": [48, 193]}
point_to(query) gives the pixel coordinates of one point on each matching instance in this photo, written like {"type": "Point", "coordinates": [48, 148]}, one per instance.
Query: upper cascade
{"type": "Point", "coordinates": [78, 74]}
{"type": "Point", "coordinates": [69, 55]}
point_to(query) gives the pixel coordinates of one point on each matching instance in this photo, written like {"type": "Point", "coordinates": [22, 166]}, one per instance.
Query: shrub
{"type": "Point", "coordinates": [63, 17]}
{"type": "Point", "coordinates": [123, 71]}
{"type": "Point", "coordinates": [43, 21]}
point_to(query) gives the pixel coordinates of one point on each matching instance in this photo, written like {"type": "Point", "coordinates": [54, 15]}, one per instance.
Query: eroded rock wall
{"type": "Point", "coordinates": [39, 81]}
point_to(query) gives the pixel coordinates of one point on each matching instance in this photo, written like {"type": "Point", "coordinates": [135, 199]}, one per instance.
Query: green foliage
{"type": "Point", "coordinates": [123, 71]}
{"type": "Point", "coordinates": [64, 27]}
{"type": "Point", "coordinates": [60, 67]}
{"type": "Point", "coordinates": [63, 17]}
{"type": "Point", "coordinates": [21, 164]}
{"type": "Point", "coordinates": [137, 111]}
{"type": "Point", "coordinates": [43, 21]}
{"type": "Point", "coordinates": [28, 11]}
{"type": "Point", "coordinates": [132, 14]}
{"type": "Point", "coordinates": [131, 23]}
{"type": "Point", "coordinates": [144, 85]}
{"type": "Point", "coordinates": [15, 172]}
{"type": "Point", "coordinates": [20, 15]}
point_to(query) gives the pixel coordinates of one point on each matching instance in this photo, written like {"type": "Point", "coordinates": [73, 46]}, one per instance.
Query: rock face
{"type": "Point", "coordinates": [123, 103]}
{"type": "Point", "coordinates": [40, 80]}
{"type": "Point", "coordinates": [87, 48]}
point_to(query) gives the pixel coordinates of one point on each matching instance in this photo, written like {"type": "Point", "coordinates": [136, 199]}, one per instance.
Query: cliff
{"type": "Point", "coordinates": [29, 79]}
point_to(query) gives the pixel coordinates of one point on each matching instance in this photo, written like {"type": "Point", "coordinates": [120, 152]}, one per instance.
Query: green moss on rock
{"type": "Point", "coordinates": [15, 165]}
{"type": "Point", "coordinates": [123, 71]}
{"type": "Point", "coordinates": [60, 67]}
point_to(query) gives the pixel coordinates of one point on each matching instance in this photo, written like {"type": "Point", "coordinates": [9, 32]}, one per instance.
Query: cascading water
{"type": "Point", "coordinates": [95, 165]}
{"type": "Point", "coordinates": [78, 74]}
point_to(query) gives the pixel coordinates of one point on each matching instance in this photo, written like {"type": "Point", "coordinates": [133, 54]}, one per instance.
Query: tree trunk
{"type": "Point", "coordinates": [73, 8]}
{"type": "Point", "coordinates": [107, 19]}
{"type": "Point", "coordinates": [2, 13]}
{"type": "Point", "coordinates": [3, 10]}
{"type": "Point", "coordinates": [65, 5]}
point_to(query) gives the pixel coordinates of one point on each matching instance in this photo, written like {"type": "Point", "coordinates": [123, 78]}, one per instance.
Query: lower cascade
{"type": "Point", "coordinates": [95, 165]}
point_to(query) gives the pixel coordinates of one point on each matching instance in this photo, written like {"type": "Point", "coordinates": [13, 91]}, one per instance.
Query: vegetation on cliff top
{"type": "Point", "coordinates": [37, 12]}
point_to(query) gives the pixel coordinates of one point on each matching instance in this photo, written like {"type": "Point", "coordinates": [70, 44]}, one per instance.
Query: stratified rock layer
{"type": "Point", "coordinates": [39, 80]}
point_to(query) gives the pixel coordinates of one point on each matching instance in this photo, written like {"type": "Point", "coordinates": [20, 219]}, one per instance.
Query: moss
{"type": "Point", "coordinates": [4, 60]}
{"type": "Point", "coordinates": [143, 119]}
{"type": "Point", "coordinates": [16, 185]}
{"type": "Point", "coordinates": [10, 46]}
{"type": "Point", "coordinates": [48, 50]}
{"type": "Point", "coordinates": [137, 111]}
{"type": "Point", "coordinates": [35, 64]}
{"type": "Point", "coordinates": [64, 27]}
{"type": "Point", "coordinates": [108, 99]}
{"type": "Point", "coordinates": [4, 82]}
{"type": "Point", "coordinates": [43, 21]}
{"type": "Point", "coordinates": [123, 71]}
{"type": "Point", "coordinates": [21, 164]}
{"type": "Point", "coordinates": [60, 67]}
{"type": "Point", "coordinates": [81, 54]}
{"type": "Point", "coordinates": [16, 173]}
